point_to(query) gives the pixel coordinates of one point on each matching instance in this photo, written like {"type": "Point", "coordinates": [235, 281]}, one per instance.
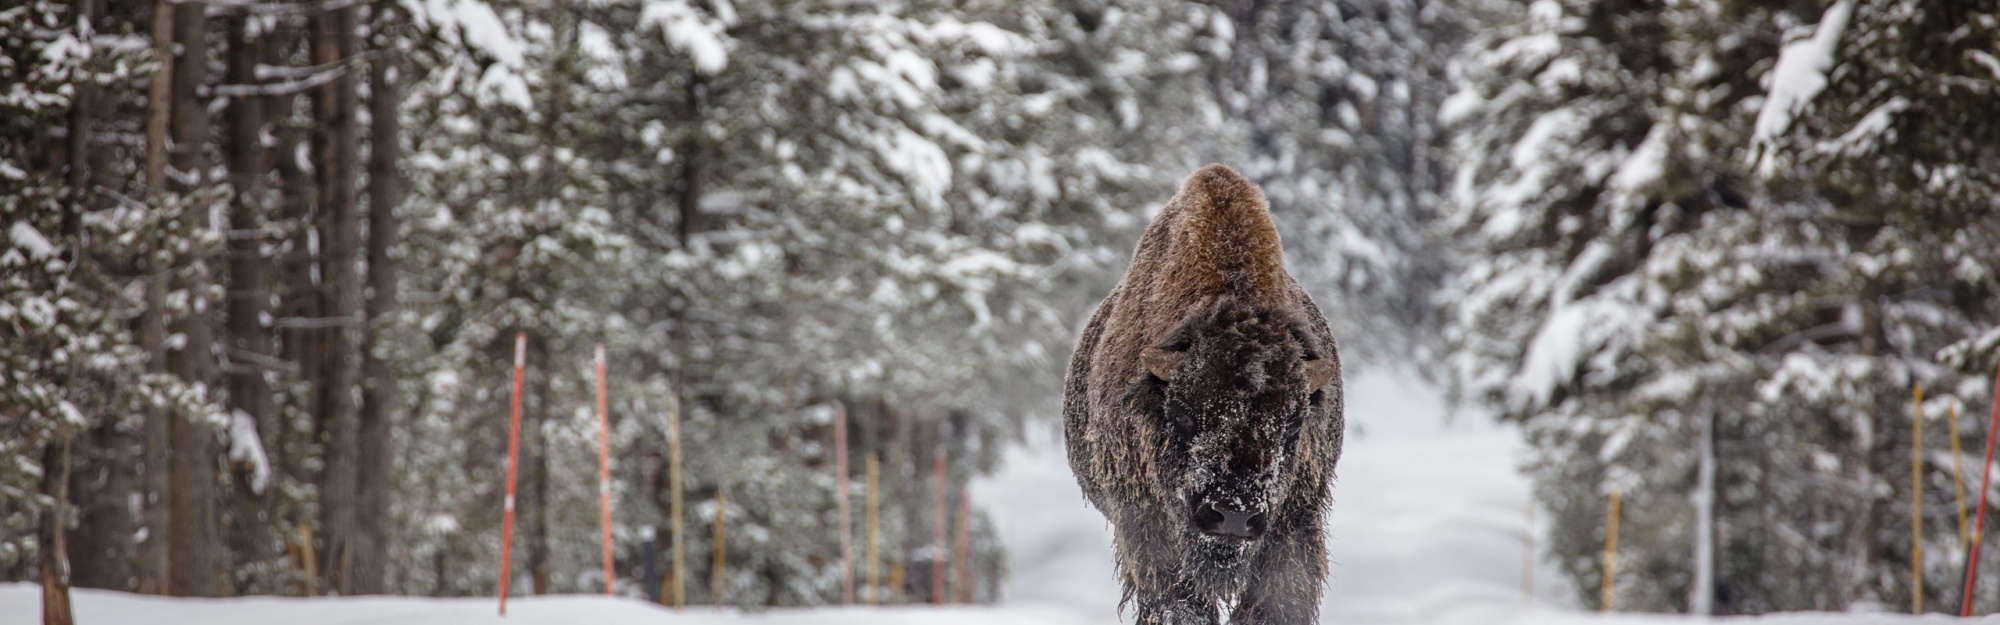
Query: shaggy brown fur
{"type": "Point", "coordinates": [1207, 379]}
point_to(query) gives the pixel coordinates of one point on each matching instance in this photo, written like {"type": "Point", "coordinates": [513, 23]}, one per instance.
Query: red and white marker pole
{"type": "Point", "coordinates": [1985, 479]}
{"type": "Point", "coordinates": [604, 469]}
{"type": "Point", "coordinates": [513, 460]}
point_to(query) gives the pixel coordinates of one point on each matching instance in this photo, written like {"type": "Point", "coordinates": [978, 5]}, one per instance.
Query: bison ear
{"type": "Point", "coordinates": [1319, 372]}
{"type": "Point", "coordinates": [1161, 362]}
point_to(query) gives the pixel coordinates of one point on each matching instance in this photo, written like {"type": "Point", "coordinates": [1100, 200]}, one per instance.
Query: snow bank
{"type": "Point", "coordinates": [1429, 525]}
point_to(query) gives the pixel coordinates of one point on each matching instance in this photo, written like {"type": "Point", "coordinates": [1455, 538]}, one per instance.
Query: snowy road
{"type": "Point", "coordinates": [1429, 520]}
{"type": "Point", "coordinates": [1429, 527]}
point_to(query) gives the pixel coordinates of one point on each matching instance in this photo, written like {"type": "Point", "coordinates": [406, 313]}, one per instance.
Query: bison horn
{"type": "Point", "coordinates": [1161, 362]}
{"type": "Point", "coordinates": [1320, 371]}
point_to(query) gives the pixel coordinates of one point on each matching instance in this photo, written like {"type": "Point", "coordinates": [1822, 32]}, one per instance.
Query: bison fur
{"type": "Point", "coordinates": [1202, 413]}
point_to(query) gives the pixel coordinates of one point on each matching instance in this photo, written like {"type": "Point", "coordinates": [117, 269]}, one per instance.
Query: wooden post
{"type": "Point", "coordinates": [874, 514]}
{"type": "Point", "coordinates": [1979, 526]}
{"type": "Point", "coordinates": [1958, 479]}
{"type": "Point", "coordinates": [604, 470]}
{"type": "Point", "coordinates": [720, 553]}
{"type": "Point", "coordinates": [513, 461]}
{"type": "Point", "coordinates": [962, 560]}
{"type": "Point", "coordinates": [1917, 502]}
{"type": "Point", "coordinates": [309, 559]}
{"type": "Point", "coordinates": [674, 503]}
{"type": "Point", "coordinates": [1610, 555]}
{"type": "Point", "coordinates": [840, 499]}
{"type": "Point", "coordinates": [938, 538]}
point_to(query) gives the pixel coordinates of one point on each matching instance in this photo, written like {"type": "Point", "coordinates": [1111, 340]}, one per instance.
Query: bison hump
{"type": "Point", "coordinates": [1219, 239]}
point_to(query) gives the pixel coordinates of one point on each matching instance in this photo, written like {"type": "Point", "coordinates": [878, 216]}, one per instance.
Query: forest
{"type": "Point", "coordinates": [266, 260]}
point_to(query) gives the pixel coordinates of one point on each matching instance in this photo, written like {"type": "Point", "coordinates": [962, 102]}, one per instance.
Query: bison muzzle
{"type": "Point", "coordinates": [1202, 412]}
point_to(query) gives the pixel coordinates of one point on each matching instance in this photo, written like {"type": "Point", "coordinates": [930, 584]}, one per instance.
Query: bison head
{"type": "Point", "coordinates": [1230, 390]}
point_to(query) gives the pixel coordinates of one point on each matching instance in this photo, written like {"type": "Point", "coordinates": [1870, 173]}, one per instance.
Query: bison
{"type": "Point", "coordinates": [1202, 412]}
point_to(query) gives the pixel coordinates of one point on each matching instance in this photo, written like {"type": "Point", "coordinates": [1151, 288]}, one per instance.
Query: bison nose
{"type": "Point", "coordinates": [1219, 521]}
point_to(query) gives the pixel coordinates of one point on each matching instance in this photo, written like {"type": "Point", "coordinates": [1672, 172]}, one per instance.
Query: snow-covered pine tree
{"type": "Point", "coordinates": [1638, 287]}
{"type": "Point", "coordinates": [507, 231]}
{"type": "Point", "coordinates": [78, 227]}
{"type": "Point", "coordinates": [1879, 110]}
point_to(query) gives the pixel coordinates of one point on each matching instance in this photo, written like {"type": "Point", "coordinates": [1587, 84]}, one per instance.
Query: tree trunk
{"type": "Point", "coordinates": [158, 94]}
{"type": "Point", "coordinates": [152, 322]}
{"type": "Point", "coordinates": [104, 487]}
{"type": "Point", "coordinates": [535, 419]}
{"type": "Point", "coordinates": [191, 532]}
{"type": "Point", "coordinates": [251, 541]}
{"type": "Point", "coordinates": [334, 149]}
{"type": "Point", "coordinates": [384, 188]}
{"type": "Point", "coordinates": [689, 196]}
{"type": "Point", "coordinates": [103, 538]}
{"type": "Point", "coordinates": [55, 555]}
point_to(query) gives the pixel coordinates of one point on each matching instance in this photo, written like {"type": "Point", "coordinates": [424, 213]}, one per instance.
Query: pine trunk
{"type": "Point", "coordinates": [334, 150]}
{"type": "Point", "coordinates": [103, 533]}
{"type": "Point", "coordinates": [153, 321]}
{"type": "Point", "coordinates": [191, 532]}
{"type": "Point", "coordinates": [251, 541]}
{"type": "Point", "coordinates": [55, 556]}
{"type": "Point", "coordinates": [384, 188]}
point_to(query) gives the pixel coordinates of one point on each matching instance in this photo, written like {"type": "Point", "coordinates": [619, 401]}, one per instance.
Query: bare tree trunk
{"type": "Point", "coordinates": [334, 149]}
{"type": "Point", "coordinates": [152, 322]}
{"type": "Point", "coordinates": [55, 553]}
{"type": "Point", "coordinates": [371, 547]}
{"type": "Point", "coordinates": [251, 540]}
{"type": "Point", "coordinates": [192, 532]}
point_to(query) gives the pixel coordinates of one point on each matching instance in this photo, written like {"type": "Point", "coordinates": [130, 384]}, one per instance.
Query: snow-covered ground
{"type": "Point", "coordinates": [1429, 526]}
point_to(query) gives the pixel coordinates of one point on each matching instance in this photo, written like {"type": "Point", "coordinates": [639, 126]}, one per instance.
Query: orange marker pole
{"type": "Point", "coordinates": [1985, 480]}
{"type": "Point", "coordinates": [962, 569]}
{"type": "Point", "coordinates": [604, 469]}
{"type": "Point", "coordinates": [1917, 501]}
{"type": "Point", "coordinates": [513, 460]}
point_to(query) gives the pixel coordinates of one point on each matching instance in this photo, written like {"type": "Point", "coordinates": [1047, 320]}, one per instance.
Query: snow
{"type": "Point", "coordinates": [1430, 525]}
{"type": "Point", "coordinates": [1799, 76]}
{"type": "Point", "coordinates": [26, 237]}
{"type": "Point", "coordinates": [246, 446]}
{"type": "Point", "coordinates": [685, 30]}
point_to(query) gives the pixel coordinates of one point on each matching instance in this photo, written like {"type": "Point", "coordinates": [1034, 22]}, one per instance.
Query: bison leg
{"type": "Point", "coordinates": [1150, 567]}
{"type": "Point", "coordinates": [1284, 587]}
{"type": "Point", "coordinates": [1183, 608]}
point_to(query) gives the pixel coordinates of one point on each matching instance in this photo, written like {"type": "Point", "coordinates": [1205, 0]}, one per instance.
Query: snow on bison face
{"type": "Point", "coordinates": [1229, 390]}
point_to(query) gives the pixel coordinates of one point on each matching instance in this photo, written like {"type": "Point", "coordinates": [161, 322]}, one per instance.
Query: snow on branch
{"type": "Point", "coordinates": [1798, 77]}
{"type": "Point", "coordinates": [246, 447]}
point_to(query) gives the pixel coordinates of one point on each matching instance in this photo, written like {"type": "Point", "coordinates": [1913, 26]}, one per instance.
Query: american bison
{"type": "Point", "coordinates": [1202, 411]}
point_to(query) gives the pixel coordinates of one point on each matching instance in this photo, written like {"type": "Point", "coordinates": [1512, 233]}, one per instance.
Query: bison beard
{"type": "Point", "coordinates": [1202, 412]}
